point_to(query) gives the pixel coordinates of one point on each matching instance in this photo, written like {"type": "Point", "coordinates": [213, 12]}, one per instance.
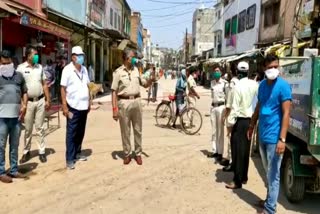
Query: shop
{"type": "Point", "coordinates": [50, 39]}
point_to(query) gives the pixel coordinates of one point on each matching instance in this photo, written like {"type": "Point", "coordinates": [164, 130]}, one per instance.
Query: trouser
{"type": "Point", "coordinates": [76, 127]}
{"type": "Point", "coordinates": [9, 127]}
{"type": "Point", "coordinates": [35, 115]}
{"type": "Point", "coordinates": [154, 90]}
{"type": "Point", "coordinates": [130, 112]}
{"type": "Point", "coordinates": [192, 101]}
{"type": "Point", "coordinates": [241, 150]}
{"type": "Point", "coordinates": [229, 149]}
{"type": "Point", "coordinates": [271, 162]}
{"type": "Point", "coordinates": [217, 137]}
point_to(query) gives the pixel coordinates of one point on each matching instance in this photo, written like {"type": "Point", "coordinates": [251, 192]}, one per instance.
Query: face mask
{"type": "Point", "coordinates": [216, 75]}
{"type": "Point", "coordinates": [7, 70]}
{"type": "Point", "coordinates": [80, 59]}
{"type": "Point", "coordinates": [272, 73]}
{"type": "Point", "coordinates": [134, 61]}
{"type": "Point", "coordinates": [35, 59]}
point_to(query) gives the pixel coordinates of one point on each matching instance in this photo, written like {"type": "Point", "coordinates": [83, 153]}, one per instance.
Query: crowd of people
{"type": "Point", "coordinates": [238, 102]}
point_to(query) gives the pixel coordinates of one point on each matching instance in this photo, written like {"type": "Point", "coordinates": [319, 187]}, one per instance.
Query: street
{"type": "Point", "coordinates": [176, 176]}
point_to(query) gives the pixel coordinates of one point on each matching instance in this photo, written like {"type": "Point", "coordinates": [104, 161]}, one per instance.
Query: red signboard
{"type": "Point", "coordinates": [33, 4]}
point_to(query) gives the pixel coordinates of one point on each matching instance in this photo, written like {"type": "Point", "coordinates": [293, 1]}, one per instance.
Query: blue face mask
{"type": "Point", "coordinates": [80, 59]}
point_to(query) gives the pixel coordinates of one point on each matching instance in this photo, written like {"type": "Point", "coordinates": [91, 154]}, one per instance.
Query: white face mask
{"type": "Point", "coordinates": [272, 73]}
{"type": "Point", "coordinates": [7, 70]}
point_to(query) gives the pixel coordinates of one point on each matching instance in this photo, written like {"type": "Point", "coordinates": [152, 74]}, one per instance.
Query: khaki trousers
{"type": "Point", "coordinates": [192, 100]}
{"type": "Point", "coordinates": [35, 115]}
{"type": "Point", "coordinates": [130, 112]}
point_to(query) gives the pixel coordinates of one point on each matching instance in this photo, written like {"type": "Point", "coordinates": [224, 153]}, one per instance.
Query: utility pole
{"type": "Point", "coordinates": [295, 51]}
{"type": "Point", "coordinates": [186, 47]}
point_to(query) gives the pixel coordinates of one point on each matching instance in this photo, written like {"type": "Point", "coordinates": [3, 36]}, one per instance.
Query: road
{"type": "Point", "coordinates": [176, 176]}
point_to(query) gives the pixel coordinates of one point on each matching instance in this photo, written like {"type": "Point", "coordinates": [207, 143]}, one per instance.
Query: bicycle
{"type": "Point", "coordinates": [190, 117]}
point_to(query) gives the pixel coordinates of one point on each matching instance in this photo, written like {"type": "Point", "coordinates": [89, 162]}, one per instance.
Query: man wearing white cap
{"type": "Point", "coordinates": [238, 123]}
{"type": "Point", "coordinates": [75, 104]}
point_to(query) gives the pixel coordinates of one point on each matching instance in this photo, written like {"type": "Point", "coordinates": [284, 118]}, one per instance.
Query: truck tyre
{"type": "Point", "coordinates": [294, 186]}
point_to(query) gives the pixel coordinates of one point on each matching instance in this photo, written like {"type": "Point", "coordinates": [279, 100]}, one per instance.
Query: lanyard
{"type": "Point", "coordinates": [80, 78]}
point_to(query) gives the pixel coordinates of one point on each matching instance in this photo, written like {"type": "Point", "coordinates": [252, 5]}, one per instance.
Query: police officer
{"type": "Point", "coordinates": [38, 102]}
{"type": "Point", "coordinates": [218, 95]}
{"type": "Point", "coordinates": [126, 103]}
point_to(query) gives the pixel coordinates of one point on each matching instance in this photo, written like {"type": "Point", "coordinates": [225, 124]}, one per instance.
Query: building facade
{"type": "Point", "coordinates": [147, 45]}
{"type": "Point", "coordinates": [202, 30]}
{"type": "Point", "coordinates": [241, 26]}
{"type": "Point", "coordinates": [137, 30]}
{"type": "Point", "coordinates": [218, 28]}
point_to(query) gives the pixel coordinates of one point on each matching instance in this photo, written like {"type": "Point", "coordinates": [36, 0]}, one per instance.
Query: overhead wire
{"type": "Point", "coordinates": [177, 2]}
{"type": "Point", "coordinates": [171, 14]}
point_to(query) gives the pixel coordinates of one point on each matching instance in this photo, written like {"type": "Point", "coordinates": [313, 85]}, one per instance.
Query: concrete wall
{"type": "Point", "coordinates": [202, 30]}
{"type": "Point", "coordinates": [280, 31]}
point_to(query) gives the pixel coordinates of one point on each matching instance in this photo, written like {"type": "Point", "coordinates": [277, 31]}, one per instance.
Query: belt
{"type": "Point", "coordinates": [123, 97]}
{"type": "Point", "coordinates": [36, 98]}
{"type": "Point", "coordinates": [243, 118]}
{"type": "Point", "coordinates": [217, 104]}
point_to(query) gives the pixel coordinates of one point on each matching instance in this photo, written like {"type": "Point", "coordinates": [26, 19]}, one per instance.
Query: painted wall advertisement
{"type": "Point", "coordinates": [299, 75]}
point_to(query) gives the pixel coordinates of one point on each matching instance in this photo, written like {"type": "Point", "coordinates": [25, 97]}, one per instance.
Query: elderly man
{"type": "Point", "coordinates": [75, 105]}
{"type": "Point", "coordinates": [13, 96]}
{"type": "Point", "coordinates": [38, 102]}
{"type": "Point", "coordinates": [238, 124]}
{"type": "Point", "coordinates": [126, 104]}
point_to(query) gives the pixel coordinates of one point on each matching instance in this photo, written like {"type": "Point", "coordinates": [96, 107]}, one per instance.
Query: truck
{"type": "Point", "coordinates": [300, 169]}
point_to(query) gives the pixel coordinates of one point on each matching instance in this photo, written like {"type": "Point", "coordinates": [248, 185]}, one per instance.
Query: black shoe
{"type": "Point", "coordinates": [25, 158]}
{"type": "Point", "coordinates": [212, 155]}
{"type": "Point", "coordinates": [219, 158]}
{"type": "Point", "coordinates": [224, 162]}
{"type": "Point", "coordinates": [43, 158]}
{"type": "Point", "coordinates": [227, 168]}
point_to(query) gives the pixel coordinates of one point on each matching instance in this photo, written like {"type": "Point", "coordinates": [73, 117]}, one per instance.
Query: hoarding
{"type": "Point", "coordinates": [73, 9]}
{"type": "Point", "coordinates": [298, 73]}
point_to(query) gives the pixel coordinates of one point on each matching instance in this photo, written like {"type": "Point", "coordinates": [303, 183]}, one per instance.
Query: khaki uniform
{"type": "Point", "coordinates": [36, 107]}
{"type": "Point", "coordinates": [127, 84]}
{"type": "Point", "coordinates": [191, 83]}
{"type": "Point", "coordinates": [218, 95]}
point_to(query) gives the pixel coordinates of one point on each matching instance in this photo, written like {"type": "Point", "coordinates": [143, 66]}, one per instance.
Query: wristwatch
{"type": "Point", "coordinates": [283, 140]}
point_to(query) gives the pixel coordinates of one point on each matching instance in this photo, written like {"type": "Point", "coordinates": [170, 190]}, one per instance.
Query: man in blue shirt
{"type": "Point", "coordinates": [273, 111]}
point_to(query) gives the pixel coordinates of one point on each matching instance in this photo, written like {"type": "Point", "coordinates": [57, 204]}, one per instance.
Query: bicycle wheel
{"type": "Point", "coordinates": [163, 114]}
{"type": "Point", "coordinates": [191, 121]}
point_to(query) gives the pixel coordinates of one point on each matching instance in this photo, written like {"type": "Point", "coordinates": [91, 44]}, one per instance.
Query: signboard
{"type": "Point", "coordinates": [43, 25]}
{"type": "Point", "coordinates": [298, 73]}
{"type": "Point", "coordinates": [98, 8]}
{"type": "Point", "coordinates": [304, 20]}
{"type": "Point", "coordinates": [73, 9]}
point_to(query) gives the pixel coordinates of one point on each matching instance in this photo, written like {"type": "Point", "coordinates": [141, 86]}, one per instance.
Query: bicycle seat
{"type": "Point", "coordinates": [172, 97]}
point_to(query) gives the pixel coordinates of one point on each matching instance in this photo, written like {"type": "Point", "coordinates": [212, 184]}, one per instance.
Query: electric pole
{"type": "Point", "coordinates": [186, 47]}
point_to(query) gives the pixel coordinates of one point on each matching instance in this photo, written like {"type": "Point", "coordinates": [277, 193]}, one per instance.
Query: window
{"type": "Point", "coordinates": [215, 41]}
{"type": "Point", "coordinates": [234, 25]}
{"type": "Point", "coordinates": [111, 16]}
{"type": "Point", "coordinates": [219, 14]}
{"type": "Point", "coordinates": [227, 28]}
{"type": "Point", "coordinates": [251, 16]}
{"type": "Point", "coordinates": [271, 14]}
{"type": "Point", "coordinates": [242, 21]}
{"type": "Point", "coordinates": [115, 21]}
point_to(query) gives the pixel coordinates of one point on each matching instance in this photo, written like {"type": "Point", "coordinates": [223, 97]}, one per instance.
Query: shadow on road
{"type": "Point", "coordinates": [223, 177]}
{"type": "Point", "coordinates": [120, 154]}
{"type": "Point", "coordinates": [28, 169]}
{"type": "Point", "coordinates": [35, 153]}
{"type": "Point", "coordinates": [86, 152]}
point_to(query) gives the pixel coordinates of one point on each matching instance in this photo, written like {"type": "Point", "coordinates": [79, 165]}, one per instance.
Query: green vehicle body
{"type": "Point", "coordinates": [301, 163]}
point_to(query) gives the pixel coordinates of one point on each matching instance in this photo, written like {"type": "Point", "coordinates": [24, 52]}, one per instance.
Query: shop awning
{"type": "Point", "coordinates": [114, 34]}
{"type": "Point", "coordinates": [220, 59]}
{"type": "Point", "coordinates": [273, 48]}
{"type": "Point", "coordinates": [246, 54]}
{"type": "Point", "coordinates": [5, 7]}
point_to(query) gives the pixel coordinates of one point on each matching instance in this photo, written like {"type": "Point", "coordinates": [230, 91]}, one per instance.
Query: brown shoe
{"type": "Point", "coordinates": [18, 175]}
{"type": "Point", "coordinates": [5, 179]}
{"type": "Point", "coordinates": [126, 160]}
{"type": "Point", "coordinates": [138, 159]}
{"type": "Point", "coordinates": [233, 186]}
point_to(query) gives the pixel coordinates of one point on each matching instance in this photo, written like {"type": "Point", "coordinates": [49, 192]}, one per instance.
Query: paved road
{"type": "Point", "coordinates": [176, 176]}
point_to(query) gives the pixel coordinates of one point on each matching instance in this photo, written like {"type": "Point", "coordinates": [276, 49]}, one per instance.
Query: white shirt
{"type": "Point", "coordinates": [34, 76]}
{"type": "Point", "coordinates": [191, 83]}
{"type": "Point", "coordinates": [243, 96]}
{"type": "Point", "coordinates": [230, 91]}
{"type": "Point", "coordinates": [218, 90]}
{"type": "Point", "coordinates": [76, 84]}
